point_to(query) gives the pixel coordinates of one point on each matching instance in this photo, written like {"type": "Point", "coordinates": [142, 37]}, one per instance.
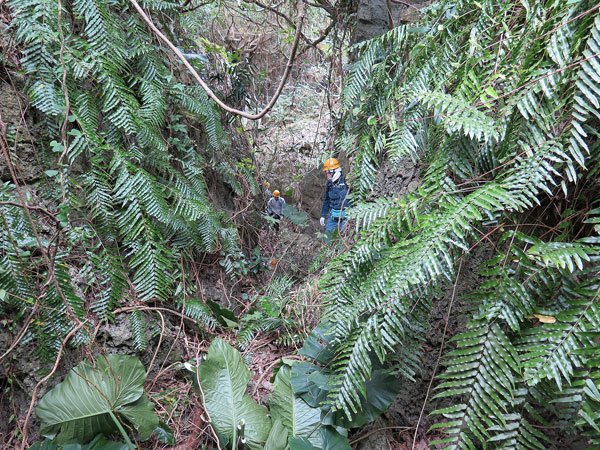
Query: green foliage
{"type": "Point", "coordinates": [98, 443]}
{"type": "Point", "coordinates": [199, 310]}
{"type": "Point", "coordinates": [138, 327]}
{"type": "Point", "coordinates": [237, 418]}
{"type": "Point", "coordinates": [313, 381]}
{"type": "Point", "coordinates": [126, 147]}
{"type": "Point", "coordinates": [164, 434]}
{"type": "Point", "coordinates": [300, 419]}
{"type": "Point", "coordinates": [273, 312]}
{"type": "Point", "coordinates": [223, 377]}
{"type": "Point", "coordinates": [497, 102]}
{"type": "Point", "coordinates": [278, 437]}
{"type": "Point", "coordinates": [22, 268]}
{"type": "Point", "coordinates": [296, 216]}
{"type": "Point", "coordinates": [93, 400]}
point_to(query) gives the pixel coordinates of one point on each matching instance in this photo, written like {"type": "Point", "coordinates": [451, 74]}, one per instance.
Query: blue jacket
{"type": "Point", "coordinates": [335, 196]}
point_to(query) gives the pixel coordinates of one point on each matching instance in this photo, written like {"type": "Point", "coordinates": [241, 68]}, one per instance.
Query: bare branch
{"type": "Point", "coordinates": [46, 378]}
{"type": "Point", "coordinates": [35, 208]}
{"type": "Point", "coordinates": [408, 5]}
{"type": "Point", "coordinates": [207, 89]}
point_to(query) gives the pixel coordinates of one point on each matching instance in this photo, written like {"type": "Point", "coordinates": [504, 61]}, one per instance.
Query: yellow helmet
{"type": "Point", "coordinates": [276, 193]}
{"type": "Point", "coordinates": [330, 164]}
{"type": "Point", "coordinates": [267, 184]}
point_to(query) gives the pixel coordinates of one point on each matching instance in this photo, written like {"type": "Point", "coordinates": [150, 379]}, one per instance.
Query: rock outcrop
{"type": "Point", "coordinates": [12, 106]}
{"type": "Point", "coordinates": [375, 17]}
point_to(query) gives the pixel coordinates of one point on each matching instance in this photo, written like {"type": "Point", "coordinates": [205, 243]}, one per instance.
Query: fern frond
{"type": "Point", "coordinates": [590, 409]}
{"type": "Point", "coordinates": [95, 17]}
{"type": "Point", "coordinates": [459, 116]}
{"type": "Point", "coordinates": [197, 309]}
{"type": "Point", "coordinates": [490, 122]}
{"type": "Point", "coordinates": [111, 280]}
{"type": "Point", "coordinates": [587, 97]}
{"type": "Point", "coordinates": [547, 351]}
{"type": "Point", "coordinates": [360, 75]}
{"type": "Point", "coordinates": [517, 432]}
{"type": "Point", "coordinates": [138, 328]}
{"type": "Point", "coordinates": [152, 264]}
{"type": "Point", "coordinates": [483, 367]}
{"type": "Point", "coordinates": [134, 196]}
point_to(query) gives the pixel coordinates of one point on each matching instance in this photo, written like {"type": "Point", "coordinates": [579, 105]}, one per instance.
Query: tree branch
{"type": "Point", "coordinates": [408, 5]}
{"type": "Point", "coordinates": [192, 8]}
{"type": "Point", "coordinates": [35, 208]}
{"type": "Point", "coordinates": [46, 378]}
{"type": "Point", "coordinates": [207, 89]}
{"type": "Point", "coordinates": [321, 38]}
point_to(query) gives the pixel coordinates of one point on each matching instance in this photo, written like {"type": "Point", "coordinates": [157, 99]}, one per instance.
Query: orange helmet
{"type": "Point", "coordinates": [276, 193]}
{"type": "Point", "coordinates": [330, 164]}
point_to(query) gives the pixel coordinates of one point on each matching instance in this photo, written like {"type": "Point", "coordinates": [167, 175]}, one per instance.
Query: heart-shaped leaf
{"type": "Point", "coordinates": [223, 378]}
{"type": "Point", "coordinates": [90, 398]}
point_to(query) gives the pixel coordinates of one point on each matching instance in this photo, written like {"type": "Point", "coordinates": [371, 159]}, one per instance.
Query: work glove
{"type": "Point", "coordinates": [322, 221]}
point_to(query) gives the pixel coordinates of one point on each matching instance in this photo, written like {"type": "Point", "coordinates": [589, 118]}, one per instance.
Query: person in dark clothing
{"type": "Point", "coordinates": [335, 197]}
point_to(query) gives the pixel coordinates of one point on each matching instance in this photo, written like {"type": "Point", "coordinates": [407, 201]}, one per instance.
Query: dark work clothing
{"type": "Point", "coordinates": [335, 223]}
{"type": "Point", "coordinates": [278, 218]}
{"type": "Point", "coordinates": [335, 197]}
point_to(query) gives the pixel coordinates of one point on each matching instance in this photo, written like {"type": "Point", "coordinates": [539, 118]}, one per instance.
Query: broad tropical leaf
{"type": "Point", "coordinates": [81, 406]}
{"type": "Point", "coordinates": [295, 215]}
{"type": "Point", "coordinates": [164, 434]}
{"type": "Point", "coordinates": [297, 443]}
{"type": "Point", "coordinates": [300, 419]}
{"type": "Point", "coordinates": [278, 437]}
{"type": "Point", "coordinates": [98, 443]}
{"type": "Point", "coordinates": [313, 383]}
{"type": "Point", "coordinates": [223, 377]}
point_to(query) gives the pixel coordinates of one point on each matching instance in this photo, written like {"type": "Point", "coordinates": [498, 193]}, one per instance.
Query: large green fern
{"type": "Point", "coordinates": [128, 161]}
{"type": "Point", "coordinates": [498, 103]}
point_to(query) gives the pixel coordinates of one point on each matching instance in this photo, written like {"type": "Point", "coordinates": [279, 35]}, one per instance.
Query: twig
{"type": "Point", "coordinates": [161, 372]}
{"type": "Point", "coordinates": [207, 89]}
{"type": "Point", "coordinates": [192, 8]}
{"type": "Point", "coordinates": [437, 363]}
{"type": "Point", "coordinates": [63, 128]}
{"type": "Point", "coordinates": [154, 308]}
{"type": "Point", "coordinates": [378, 430]}
{"type": "Point", "coordinates": [269, 367]}
{"type": "Point", "coordinates": [43, 250]}
{"type": "Point", "coordinates": [21, 333]}
{"type": "Point", "coordinates": [390, 17]}
{"type": "Point", "coordinates": [204, 405]}
{"type": "Point", "coordinates": [162, 324]}
{"type": "Point", "coordinates": [309, 44]}
{"type": "Point", "coordinates": [46, 378]}
{"type": "Point", "coordinates": [408, 5]}
{"type": "Point", "coordinates": [181, 325]}
{"type": "Point", "coordinates": [35, 208]}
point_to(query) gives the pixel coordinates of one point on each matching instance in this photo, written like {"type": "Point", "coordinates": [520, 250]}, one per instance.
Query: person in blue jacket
{"type": "Point", "coordinates": [335, 197]}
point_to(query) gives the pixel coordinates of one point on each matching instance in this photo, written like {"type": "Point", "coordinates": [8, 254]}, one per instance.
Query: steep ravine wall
{"type": "Point", "coordinates": [374, 17]}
